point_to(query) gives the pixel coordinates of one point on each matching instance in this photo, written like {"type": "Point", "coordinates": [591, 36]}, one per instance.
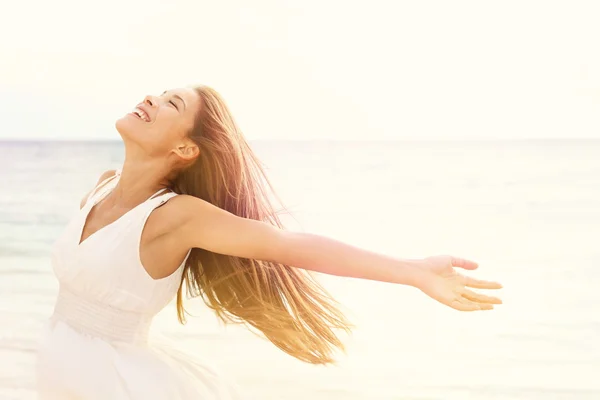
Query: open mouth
{"type": "Point", "coordinates": [141, 114]}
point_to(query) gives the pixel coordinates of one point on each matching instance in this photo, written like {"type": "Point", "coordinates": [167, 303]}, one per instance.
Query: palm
{"type": "Point", "coordinates": [443, 283]}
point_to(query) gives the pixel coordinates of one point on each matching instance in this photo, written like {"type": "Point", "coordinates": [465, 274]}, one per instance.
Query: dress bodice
{"type": "Point", "coordinates": [104, 290]}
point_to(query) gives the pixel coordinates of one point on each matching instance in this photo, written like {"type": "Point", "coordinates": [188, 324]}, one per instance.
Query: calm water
{"type": "Point", "coordinates": [528, 212]}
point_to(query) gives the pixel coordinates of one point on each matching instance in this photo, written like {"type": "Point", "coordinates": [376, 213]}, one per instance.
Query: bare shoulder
{"type": "Point", "coordinates": [167, 221]}
{"type": "Point", "coordinates": [184, 210]}
{"type": "Point", "coordinates": [189, 204]}
{"type": "Point", "coordinates": [103, 176]}
{"type": "Point", "coordinates": [177, 209]}
{"type": "Point", "coordinates": [201, 224]}
{"type": "Point", "coordinates": [181, 208]}
{"type": "Point", "coordinates": [184, 207]}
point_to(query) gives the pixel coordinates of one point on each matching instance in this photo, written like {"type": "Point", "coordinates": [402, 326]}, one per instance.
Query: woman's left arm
{"type": "Point", "coordinates": [214, 229]}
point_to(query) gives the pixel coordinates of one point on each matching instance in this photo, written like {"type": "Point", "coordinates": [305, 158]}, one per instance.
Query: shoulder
{"type": "Point", "coordinates": [196, 223]}
{"type": "Point", "coordinates": [177, 208]}
{"type": "Point", "coordinates": [105, 175]}
{"type": "Point", "coordinates": [167, 216]}
{"type": "Point", "coordinates": [183, 210]}
{"type": "Point", "coordinates": [181, 207]}
{"type": "Point", "coordinates": [186, 207]}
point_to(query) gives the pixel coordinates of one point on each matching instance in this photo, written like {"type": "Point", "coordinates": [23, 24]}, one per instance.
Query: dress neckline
{"type": "Point", "coordinates": [94, 202]}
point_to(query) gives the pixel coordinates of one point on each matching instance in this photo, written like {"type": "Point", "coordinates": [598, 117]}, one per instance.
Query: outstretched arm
{"type": "Point", "coordinates": [214, 229]}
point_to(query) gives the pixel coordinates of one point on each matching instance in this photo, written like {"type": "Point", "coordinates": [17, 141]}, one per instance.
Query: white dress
{"type": "Point", "coordinates": [95, 346]}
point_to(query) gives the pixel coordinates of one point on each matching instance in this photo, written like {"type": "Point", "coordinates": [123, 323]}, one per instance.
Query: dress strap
{"type": "Point", "coordinates": [154, 195]}
{"type": "Point", "coordinates": [101, 185]}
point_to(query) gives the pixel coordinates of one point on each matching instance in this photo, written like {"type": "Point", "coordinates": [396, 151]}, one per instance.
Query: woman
{"type": "Point", "coordinates": [190, 206]}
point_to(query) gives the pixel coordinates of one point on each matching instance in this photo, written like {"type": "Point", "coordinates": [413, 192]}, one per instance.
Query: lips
{"type": "Point", "coordinates": [141, 113]}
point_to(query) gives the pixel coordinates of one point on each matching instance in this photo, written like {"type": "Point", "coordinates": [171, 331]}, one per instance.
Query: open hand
{"type": "Point", "coordinates": [443, 283]}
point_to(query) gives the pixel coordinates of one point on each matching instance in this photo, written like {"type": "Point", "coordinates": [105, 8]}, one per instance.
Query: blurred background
{"type": "Point", "coordinates": [410, 128]}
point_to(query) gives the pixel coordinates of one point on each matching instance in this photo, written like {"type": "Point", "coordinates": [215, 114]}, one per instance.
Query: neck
{"type": "Point", "coordinates": [138, 182]}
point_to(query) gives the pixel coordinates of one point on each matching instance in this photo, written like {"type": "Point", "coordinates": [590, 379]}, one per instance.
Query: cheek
{"type": "Point", "coordinates": [167, 123]}
{"type": "Point", "coordinates": [172, 130]}
{"type": "Point", "coordinates": [162, 136]}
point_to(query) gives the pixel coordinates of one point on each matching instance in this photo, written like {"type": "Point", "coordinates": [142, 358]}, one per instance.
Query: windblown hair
{"type": "Point", "coordinates": [286, 304]}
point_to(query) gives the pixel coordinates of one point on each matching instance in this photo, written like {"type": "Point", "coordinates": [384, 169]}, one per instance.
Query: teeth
{"type": "Point", "coordinates": [140, 113]}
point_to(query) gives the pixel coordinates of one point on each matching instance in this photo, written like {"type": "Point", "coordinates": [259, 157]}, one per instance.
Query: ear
{"type": "Point", "coordinates": [187, 151]}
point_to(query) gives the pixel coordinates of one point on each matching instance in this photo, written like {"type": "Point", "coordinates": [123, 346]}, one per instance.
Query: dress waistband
{"type": "Point", "coordinates": [97, 319]}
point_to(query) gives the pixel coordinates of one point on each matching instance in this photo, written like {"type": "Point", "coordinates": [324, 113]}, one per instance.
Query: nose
{"type": "Point", "coordinates": [150, 100]}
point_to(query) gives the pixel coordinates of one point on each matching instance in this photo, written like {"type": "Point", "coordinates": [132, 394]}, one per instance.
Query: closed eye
{"type": "Point", "coordinates": [171, 101]}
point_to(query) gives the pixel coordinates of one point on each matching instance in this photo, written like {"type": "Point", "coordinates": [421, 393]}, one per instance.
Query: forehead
{"type": "Point", "coordinates": [189, 95]}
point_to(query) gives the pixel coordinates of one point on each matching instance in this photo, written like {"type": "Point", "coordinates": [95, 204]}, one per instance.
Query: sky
{"type": "Point", "coordinates": [310, 69]}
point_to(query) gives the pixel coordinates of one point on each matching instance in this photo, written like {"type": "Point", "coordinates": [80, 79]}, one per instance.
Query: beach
{"type": "Point", "coordinates": [527, 211]}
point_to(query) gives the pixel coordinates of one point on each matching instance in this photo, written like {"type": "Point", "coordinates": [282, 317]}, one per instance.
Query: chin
{"type": "Point", "coordinates": [125, 126]}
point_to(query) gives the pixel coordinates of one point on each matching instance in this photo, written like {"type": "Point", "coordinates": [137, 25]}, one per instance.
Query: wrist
{"type": "Point", "coordinates": [412, 272]}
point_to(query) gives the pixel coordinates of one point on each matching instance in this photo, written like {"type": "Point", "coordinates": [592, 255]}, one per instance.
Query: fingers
{"type": "Point", "coordinates": [478, 297]}
{"type": "Point", "coordinates": [481, 284]}
{"type": "Point", "coordinates": [472, 282]}
{"type": "Point", "coordinates": [464, 263]}
{"type": "Point", "coordinates": [463, 304]}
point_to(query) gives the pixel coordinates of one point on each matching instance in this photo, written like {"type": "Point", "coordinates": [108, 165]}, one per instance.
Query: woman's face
{"type": "Point", "coordinates": [160, 124]}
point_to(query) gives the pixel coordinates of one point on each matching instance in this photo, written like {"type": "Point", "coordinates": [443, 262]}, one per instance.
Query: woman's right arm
{"type": "Point", "coordinates": [105, 175]}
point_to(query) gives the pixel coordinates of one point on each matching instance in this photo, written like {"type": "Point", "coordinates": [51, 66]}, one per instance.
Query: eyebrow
{"type": "Point", "coordinates": [176, 95]}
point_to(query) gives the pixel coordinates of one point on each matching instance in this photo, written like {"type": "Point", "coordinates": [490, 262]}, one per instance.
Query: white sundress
{"type": "Point", "coordinates": [95, 346]}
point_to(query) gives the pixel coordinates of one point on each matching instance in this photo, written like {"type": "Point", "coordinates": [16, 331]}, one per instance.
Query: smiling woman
{"type": "Point", "coordinates": [191, 209]}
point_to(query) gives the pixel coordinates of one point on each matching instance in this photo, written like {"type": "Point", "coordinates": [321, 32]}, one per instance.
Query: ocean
{"type": "Point", "coordinates": [527, 211]}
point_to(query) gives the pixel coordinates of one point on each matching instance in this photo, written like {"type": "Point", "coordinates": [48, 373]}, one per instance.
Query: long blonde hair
{"type": "Point", "coordinates": [286, 304]}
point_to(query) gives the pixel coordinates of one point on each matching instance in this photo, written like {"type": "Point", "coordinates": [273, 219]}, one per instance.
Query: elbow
{"type": "Point", "coordinates": [281, 247]}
